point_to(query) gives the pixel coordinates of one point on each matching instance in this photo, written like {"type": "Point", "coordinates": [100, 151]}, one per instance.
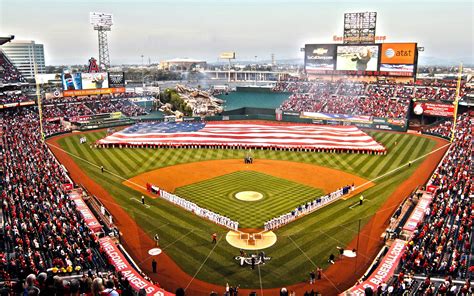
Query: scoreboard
{"type": "Point", "coordinates": [386, 59]}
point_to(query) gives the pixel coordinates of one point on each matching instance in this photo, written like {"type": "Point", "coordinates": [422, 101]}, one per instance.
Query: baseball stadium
{"type": "Point", "coordinates": [351, 177]}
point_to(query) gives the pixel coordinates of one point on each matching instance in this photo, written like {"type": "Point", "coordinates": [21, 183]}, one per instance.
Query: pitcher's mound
{"type": "Point", "coordinates": [249, 195]}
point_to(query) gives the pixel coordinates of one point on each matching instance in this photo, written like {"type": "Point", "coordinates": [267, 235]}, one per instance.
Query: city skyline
{"type": "Point", "coordinates": [202, 29]}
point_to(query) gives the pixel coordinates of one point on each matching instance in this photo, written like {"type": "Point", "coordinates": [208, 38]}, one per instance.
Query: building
{"type": "Point", "coordinates": [23, 55]}
{"type": "Point", "coordinates": [185, 64]}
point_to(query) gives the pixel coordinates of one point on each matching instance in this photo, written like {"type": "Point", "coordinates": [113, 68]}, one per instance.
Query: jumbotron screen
{"type": "Point", "coordinates": [386, 59]}
{"type": "Point", "coordinates": [357, 57]}
{"type": "Point", "coordinates": [80, 84]}
{"type": "Point", "coordinates": [320, 57]}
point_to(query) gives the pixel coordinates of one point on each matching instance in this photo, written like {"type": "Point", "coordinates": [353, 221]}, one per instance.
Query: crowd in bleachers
{"type": "Point", "coordinates": [441, 244]}
{"type": "Point", "coordinates": [8, 73]}
{"type": "Point", "coordinates": [409, 285]}
{"type": "Point", "coordinates": [346, 98]}
{"type": "Point", "coordinates": [6, 98]}
{"type": "Point", "coordinates": [43, 229]}
{"type": "Point", "coordinates": [442, 129]}
{"type": "Point", "coordinates": [89, 284]}
{"type": "Point", "coordinates": [92, 106]}
{"type": "Point", "coordinates": [383, 99]}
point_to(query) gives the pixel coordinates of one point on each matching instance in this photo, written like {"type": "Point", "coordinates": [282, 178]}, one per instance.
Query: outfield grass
{"type": "Point", "coordinates": [185, 237]}
{"type": "Point", "coordinates": [279, 196]}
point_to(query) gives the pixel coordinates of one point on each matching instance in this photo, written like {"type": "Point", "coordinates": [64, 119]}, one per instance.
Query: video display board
{"type": "Point", "coordinates": [320, 57]}
{"type": "Point", "coordinates": [116, 79]}
{"type": "Point", "coordinates": [86, 84]}
{"type": "Point", "coordinates": [398, 59]}
{"type": "Point", "coordinates": [357, 57]}
{"type": "Point", "coordinates": [71, 81]}
{"type": "Point", "coordinates": [386, 59]}
{"type": "Point", "coordinates": [95, 80]}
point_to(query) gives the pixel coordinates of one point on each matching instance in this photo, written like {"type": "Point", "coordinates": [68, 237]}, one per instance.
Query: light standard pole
{"type": "Point", "coordinates": [143, 74]}
{"type": "Point", "coordinates": [255, 70]}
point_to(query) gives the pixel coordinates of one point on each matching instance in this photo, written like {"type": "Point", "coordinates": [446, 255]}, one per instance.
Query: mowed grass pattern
{"type": "Point", "coordinates": [279, 196]}
{"type": "Point", "coordinates": [186, 238]}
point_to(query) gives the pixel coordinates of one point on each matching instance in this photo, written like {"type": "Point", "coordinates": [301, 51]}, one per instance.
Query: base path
{"type": "Point", "coordinates": [170, 276]}
{"type": "Point", "coordinates": [315, 176]}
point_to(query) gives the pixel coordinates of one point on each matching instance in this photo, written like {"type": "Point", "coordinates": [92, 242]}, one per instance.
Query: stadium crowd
{"type": "Point", "coordinates": [43, 229]}
{"type": "Point", "coordinates": [441, 244]}
{"type": "Point", "coordinates": [91, 107]}
{"type": "Point", "coordinates": [9, 73]}
{"type": "Point", "coordinates": [442, 129]}
{"type": "Point", "coordinates": [343, 98]}
{"type": "Point", "coordinates": [45, 239]}
{"type": "Point", "coordinates": [382, 99]}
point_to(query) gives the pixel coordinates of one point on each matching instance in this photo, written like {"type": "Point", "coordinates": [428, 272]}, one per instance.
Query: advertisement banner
{"type": "Point", "coordinates": [397, 69]}
{"type": "Point", "coordinates": [71, 81]}
{"type": "Point", "coordinates": [433, 109]}
{"type": "Point", "coordinates": [136, 280]}
{"type": "Point", "coordinates": [95, 80]}
{"type": "Point", "coordinates": [357, 57]}
{"type": "Point", "coordinates": [227, 55]}
{"type": "Point", "coordinates": [398, 53]}
{"type": "Point", "coordinates": [86, 213]}
{"type": "Point", "coordinates": [115, 115]}
{"type": "Point", "coordinates": [418, 213]}
{"type": "Point", "coordinates": [89, 92]}
{"type": "Point", "coordinates": [117, 79]}
{"type": "Point", "coordinates": [339, 117]}
{"type": "Point", "coordinates": [319, 57]}
{"type": "Point", "coordinates": [384, 271]}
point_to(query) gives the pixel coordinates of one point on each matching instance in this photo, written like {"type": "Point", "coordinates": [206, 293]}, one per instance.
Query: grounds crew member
{"type": "Point", "coordinates": [214, 238]}
{"type": "Point", "coordinates": [361, 199]}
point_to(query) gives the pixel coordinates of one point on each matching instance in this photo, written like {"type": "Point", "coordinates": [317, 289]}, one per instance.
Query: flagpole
{"type": "Point", "coordinates": [456, 101]}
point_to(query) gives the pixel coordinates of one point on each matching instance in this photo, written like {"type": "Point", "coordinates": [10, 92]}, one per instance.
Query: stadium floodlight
{"type": "Point", "coordinates": [102, 22]}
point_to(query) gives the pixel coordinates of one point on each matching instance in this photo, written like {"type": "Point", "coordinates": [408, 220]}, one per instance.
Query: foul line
{"type": "Point", "coordinates": [114, 203]}
{"type": "Point", "coordinates": [312, 262]}
{"type": "Point", "coordinates": [202, 264]}
{"type": "Point", "coordinates": [260, 279]}
{"type": "Point", "coordinates": [97, 166]}
{"type": "Point", "coordinates": [146, 206]}
{"type": "Point", "coordinates": [357, 203]}
{"type": "Point", "coordinates": [400, 167]}
{"type": "Point", "coordinates": [175, 241]}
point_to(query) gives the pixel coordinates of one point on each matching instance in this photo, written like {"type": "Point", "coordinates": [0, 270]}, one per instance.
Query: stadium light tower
{"type": "Point", "coordinates": [102, 23]}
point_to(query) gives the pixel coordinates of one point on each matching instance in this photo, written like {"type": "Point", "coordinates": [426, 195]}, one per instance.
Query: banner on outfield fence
{"type": "Point", "coordinates": [433, 109]}
{"type": "Point", "coordinates": [384, 271]}
{"type": "Point", "coordinates": [418, 213]}
{"type": "Point", "coordinates": [89, 218]}
{"type": "Point", "coordinates": [117, 259]}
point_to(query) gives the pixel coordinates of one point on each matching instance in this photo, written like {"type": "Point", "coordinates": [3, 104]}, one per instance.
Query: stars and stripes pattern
{"type": "Point", "coordinates": [269, 135]}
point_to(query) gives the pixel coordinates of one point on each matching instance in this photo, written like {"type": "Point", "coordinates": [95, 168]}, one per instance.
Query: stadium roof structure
{"type": "Point", "coordinates": [4, 40]}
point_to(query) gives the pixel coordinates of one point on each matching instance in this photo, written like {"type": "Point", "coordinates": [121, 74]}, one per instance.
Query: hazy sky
{"type": "Point", "coordinates": [202, 29]}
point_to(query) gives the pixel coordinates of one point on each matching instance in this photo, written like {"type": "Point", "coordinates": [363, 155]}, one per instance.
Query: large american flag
{"type": "Point", "coordinates": [245, 135]}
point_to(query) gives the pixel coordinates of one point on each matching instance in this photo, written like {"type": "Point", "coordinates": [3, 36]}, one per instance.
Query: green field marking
{"type": "Point", "coordinates": [317, 234]}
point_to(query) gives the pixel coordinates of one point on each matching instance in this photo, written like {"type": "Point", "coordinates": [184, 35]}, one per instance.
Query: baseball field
{"type": "Point", "coordinates": [186, 239]}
